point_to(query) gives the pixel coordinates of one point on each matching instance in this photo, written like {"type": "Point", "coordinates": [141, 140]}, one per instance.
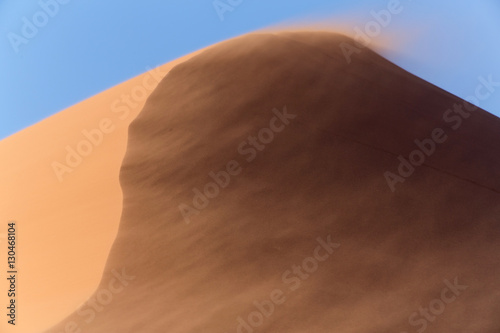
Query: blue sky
{"type": "Point", "coordinates": [88, 46]}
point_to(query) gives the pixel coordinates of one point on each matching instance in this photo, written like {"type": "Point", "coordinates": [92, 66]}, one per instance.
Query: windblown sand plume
{"type": "Point", "coordinates": [270, 186]}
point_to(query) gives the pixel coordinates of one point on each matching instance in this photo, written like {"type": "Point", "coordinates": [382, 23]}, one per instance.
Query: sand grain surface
{"type": "Point", "coordinates": [319, 174]}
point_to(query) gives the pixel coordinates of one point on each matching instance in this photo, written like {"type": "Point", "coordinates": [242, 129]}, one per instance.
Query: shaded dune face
{"type": "Point", "coordinates": [320, 174]}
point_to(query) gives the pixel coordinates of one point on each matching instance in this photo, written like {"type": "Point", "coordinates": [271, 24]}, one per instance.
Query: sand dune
{"type": "Point", "coordinates": [67, 220]}
{"type": "Point", "coordinates": [256, 199]}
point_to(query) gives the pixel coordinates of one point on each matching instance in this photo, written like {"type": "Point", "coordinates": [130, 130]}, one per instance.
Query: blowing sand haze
{"type": "Point", "coordinates": [301, 232]}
